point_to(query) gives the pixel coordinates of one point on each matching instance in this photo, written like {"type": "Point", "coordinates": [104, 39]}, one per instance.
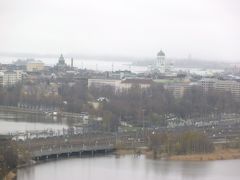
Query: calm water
{"type": "Point", "coordinates": [13, 122]}
{"type": "Point", "coordinates": [91, 64]}
{"type": "Point", "coordinates": [131, 168]}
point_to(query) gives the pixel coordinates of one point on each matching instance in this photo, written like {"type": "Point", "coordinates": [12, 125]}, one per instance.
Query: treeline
{"type": "Point", "coordinates": [196, 103]}
{"type": "Point", "coordinates": [135, 104]}
{"type": "Point", "coordinates": [10, 96]}
{"type": "Point", "coordinates": [155, 104]}
{"type": "Point", "coordinates": [11, 155]}
{"type": "Point", "coordinates": [180, 143]}
{"type": "Point", "coordinates": [8, 157]}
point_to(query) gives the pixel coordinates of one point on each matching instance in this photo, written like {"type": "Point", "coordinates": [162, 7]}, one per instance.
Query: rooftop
{"type": "Point", "coordinates": [138, 81]}
{"type": "Point", "coordinates": [160, 53]}
{"type": "Point", "coordinates": [35, 62]}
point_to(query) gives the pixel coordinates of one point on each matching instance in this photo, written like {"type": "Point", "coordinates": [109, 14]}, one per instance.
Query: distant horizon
{"type": "Point", "coordinates": [109, 57]}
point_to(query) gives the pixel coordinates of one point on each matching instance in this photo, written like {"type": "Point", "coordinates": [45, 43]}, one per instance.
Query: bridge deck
{"type": "Point", "coordinates": [40, 147]}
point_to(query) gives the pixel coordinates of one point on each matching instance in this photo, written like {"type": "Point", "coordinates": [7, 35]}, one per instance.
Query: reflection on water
{"type": "Point", "coordinates": [130, 168]}
{"type": "Point", "coordinates": [12, 122]}
{"type": "Point", "coordinates": [8, 126]}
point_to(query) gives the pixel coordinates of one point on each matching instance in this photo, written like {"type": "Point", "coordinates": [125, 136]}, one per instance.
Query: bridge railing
{"type": "Point", "coordinates": [70, 149]}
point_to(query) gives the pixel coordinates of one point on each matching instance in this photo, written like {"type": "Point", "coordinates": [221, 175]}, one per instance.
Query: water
{"type": "Point", "coordinates": [20, 122]}
{"type": "Point", "coordinates": [200, 71]}
{"type": "Point", "coordinates": [101, 65]}
{"type": "Point", "coordinates": [130, 168]}
{"type": "Point", "coordinates": [90, 64]}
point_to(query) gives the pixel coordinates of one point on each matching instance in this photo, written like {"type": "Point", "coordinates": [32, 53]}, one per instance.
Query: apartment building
{"type": "Point", "coordinates": [10, 78]}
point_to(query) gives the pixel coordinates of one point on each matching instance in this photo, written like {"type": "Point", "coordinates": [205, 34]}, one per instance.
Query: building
{"type": "Point", "coordinates": [71, 63]}
{"type": "Point", "coordinates": [19, 74]}
{"type": "Point", "coordinates": [161, 62]}
{"type": "Point", "coordinates": [120, 85]}
{"type": "Point", "coordinates": [178, 89]}
{"type": "Point", "coordinates": [229, 86]}
{"type": "Point", "coordinates": [1, 79]}
{"type": "Point", "coordinates": [121, 74]}
{"type": "Point", "coordinates": [10, 77]}
{"type": "Point", "coordinates": [61, 65]}
{"type": "Point", "coordinates": [143, 83]}
{"type": "Point", "coordinates": [207, 83]}
{"type": "Point", "coordinates": [35, 66]}
{"type": "Point", "coordinates": [103, 82]}
{"type": "Point", "coordinates": [161, 65]}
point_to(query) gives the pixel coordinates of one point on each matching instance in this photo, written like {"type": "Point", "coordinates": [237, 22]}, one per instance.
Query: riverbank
{"type": "Point", "coordinates": [131, 151]}
{"type": "Point", "coordinates": [218, 154]}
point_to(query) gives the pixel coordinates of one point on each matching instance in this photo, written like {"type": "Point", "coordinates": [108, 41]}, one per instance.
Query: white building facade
{"type": "Point", "coordinates": [161, 65]}
{"type": "Point", "coordinates": [10, 78]}
{"type": "Point", "coordinates": [35, 66]}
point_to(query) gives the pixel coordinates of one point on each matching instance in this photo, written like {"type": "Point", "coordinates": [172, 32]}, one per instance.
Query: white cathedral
{"type": "Point", "coordinates": [161, 65]}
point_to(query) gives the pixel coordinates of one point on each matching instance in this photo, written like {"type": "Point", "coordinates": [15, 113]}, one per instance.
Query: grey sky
{"type": "Point", "coordinates": [203, 28]}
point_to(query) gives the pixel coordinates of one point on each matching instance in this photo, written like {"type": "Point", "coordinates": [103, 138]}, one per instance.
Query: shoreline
{"type": "Point", "coordinates": [218, 154]}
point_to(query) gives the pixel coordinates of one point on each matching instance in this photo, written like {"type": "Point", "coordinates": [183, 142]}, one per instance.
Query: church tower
{"type": "Point", "coordinates": [61, 60]}
{"type": "Point", "coordinates": [161, 62]}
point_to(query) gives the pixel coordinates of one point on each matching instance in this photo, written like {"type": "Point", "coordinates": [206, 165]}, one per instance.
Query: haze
{"type": "Point", "coordinates": [206, 29]}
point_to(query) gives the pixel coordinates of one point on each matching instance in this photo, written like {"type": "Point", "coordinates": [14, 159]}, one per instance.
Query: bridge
{"type": "Point", "coordinates": [49, 144]}
{"type": "Point", "coordinates": [67, 145]}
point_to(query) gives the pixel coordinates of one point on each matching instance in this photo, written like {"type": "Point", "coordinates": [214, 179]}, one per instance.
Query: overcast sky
{"type": "Point", "coordinates": [207, 29]}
